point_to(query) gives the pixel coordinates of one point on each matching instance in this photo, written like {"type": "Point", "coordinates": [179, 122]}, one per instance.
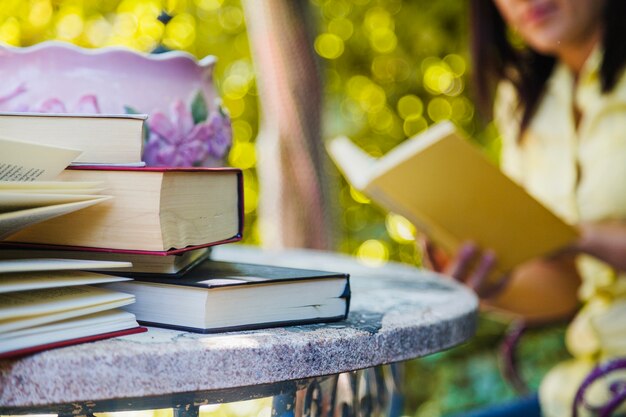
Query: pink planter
{"type": "Point", "coordinates": [186, 125]}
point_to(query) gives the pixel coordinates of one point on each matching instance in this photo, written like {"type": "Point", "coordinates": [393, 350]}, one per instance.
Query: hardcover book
{"type": "Point", "coordinates": [452, 193]}
{"type": "Point", "coordinates": [89, 328]}
{"type": "Point", "coordinates": [220, 296]}
{"type": "Point", "coordinates": [102, 138]}
{"type": "Point", "coordinates": [153, 210]}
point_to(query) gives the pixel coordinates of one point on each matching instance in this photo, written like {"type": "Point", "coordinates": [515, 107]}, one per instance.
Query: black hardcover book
{"type": "Point", "coordinates": [222, 296]}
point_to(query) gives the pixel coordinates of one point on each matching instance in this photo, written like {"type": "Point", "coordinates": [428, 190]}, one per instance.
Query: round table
{"type": "Point", "coordinates": [397, 313]}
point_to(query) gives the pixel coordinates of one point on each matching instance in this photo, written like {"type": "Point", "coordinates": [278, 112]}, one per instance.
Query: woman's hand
{"type": "Point", "coordinates": [541, 290]}
{"type": "Point", "coordinates": [476, 268]}
{"type": "Point", "coordinates": [470, 265]}
{"type": "Point", "coordinates": [538, 291]}
{"type": "Point", "coordinates": [605, 240]}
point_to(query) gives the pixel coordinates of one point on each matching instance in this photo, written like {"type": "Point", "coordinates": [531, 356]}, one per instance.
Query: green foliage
{"type": "Point", "coordinates": [392, 69]}
{"type": "Point", "coordinates": [469, 376]}
{"type": "Point", "coordinates": [199, 110]}
{"type": "Point", "coordinates": [146, 128]}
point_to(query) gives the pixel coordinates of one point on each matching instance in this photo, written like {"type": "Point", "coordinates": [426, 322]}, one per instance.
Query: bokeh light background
{"type": "Point", "coordinates": [391, 69]}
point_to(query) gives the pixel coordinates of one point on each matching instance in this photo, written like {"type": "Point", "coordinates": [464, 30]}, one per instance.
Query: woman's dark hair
{"type": "Point", "coordinates": [495, 58]}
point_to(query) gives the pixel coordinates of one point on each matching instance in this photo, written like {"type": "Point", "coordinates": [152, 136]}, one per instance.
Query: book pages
{"type": "Point", "coordinates": [20, 310]}
{"type": "Point", "coordinates": [25, 161]}
{"type": "Point", "coordinates": [14, 221]}
{"type": "Point", "coordinates": [29, 264]}
{"type": "Point", "coordinates": [93, 324]}
{"type": "Point", "coordinates": [11, 201]}
{"type": "Point", "coordinates": [49, 187]}
{"type": "Point", "coordinates": [26, 197]}
{"type": "Point", "coordinates": [26, 281]}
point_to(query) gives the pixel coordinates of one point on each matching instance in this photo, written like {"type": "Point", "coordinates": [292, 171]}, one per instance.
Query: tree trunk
{"type": "Point", "coordinates": [294, 209]}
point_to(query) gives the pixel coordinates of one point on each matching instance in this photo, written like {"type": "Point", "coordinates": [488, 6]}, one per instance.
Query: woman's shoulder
{"type": "Point", "coordinates": [506, 98]}
{"type": "Point", "coordinates": [506, 111]}
{"type": "Point", "coordinates": [619, 91]}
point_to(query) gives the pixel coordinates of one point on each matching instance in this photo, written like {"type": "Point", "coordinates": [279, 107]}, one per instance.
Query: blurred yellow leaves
{"type": "Point", "coordinates": [411, 109]}
{"type": "Point", "coordinates": [131, 23]}
{"type": "Point", "coordinates": [391, 68]}
{"type": "Point", "coordinates": [444, 76]}
{"type": "Point", "coordinates": [400, 229]}
{"type": "Point", "coordinates": [341, 27]}
{"type": "Point", "coordinates": [39, 14]}
{"type": "Point", "coordinates": [86, 23]}
{"type": "Point", "coordinates": [373, 252]}
{"type": "Point", "coordinates": [379, 27]}
{"type": "Point", "coordinates": [358, 196]}
{"type": "Point", "coordinates": [329, 45]}
{"type": "Point", "coordinates": [10, 31]}
{"type": "Point", "coordinates": [231, 19]}
{"type": "Point", "coordinates": [242, 155]}
{"type": "Point", "coordinates": [180, 32]}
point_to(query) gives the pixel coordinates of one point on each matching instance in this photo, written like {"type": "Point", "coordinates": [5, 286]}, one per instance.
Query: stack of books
{"type": "Point", "coordinates": [51, 303]}
{"type": "Point", "coordinates": [46, 303]}
{"type": "Point", "coordinates": [163, 221]}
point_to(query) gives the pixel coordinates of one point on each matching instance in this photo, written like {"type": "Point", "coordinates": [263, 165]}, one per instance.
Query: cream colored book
{"type": "Point", "coordinates": [124, 263]}
{"type": "Point", "coordinates": [26, 199]}
{"type": "Point", "coordinates": [39, 280]}
{"type": "Point", "coordinates": [21, 160]}
{"type": "Point", "coordinates": [19, 310]}
{"type": "Point", "coordinates": [106, 138]}
{"type": "Point", "coordinates": [50, 187]}
{"type": "Point", "coordinates": [452, 193]}
{"type": "Point", "coordinates": [165, 210]}
{"type": "Point", "coordinates": [10, 264]}
{"type": "Point", "coordinates": [77, 329]}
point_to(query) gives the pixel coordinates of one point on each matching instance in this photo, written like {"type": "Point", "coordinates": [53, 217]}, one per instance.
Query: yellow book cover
{"type": "Point", "coordinates": [453, 193]}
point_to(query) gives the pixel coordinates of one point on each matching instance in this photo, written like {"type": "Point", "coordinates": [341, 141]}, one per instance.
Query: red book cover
{"type": "Point", "coordinates": [174, 251]}
{"type": "Point", "coordinates": [34, 349]}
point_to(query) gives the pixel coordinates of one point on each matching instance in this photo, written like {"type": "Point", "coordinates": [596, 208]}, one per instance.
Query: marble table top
{"type": "Point", "coordinates": [397, 312]}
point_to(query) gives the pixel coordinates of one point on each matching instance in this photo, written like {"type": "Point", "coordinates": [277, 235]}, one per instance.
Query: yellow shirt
{"type": "Point", "coordinates": [579, 171]}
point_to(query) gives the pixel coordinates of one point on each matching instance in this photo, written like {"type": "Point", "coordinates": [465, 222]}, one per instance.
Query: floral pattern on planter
{"type": "Point", "coordinates": [86, 104]}
{"type": "Point", "coordinates": [188, 137]}
{"type": "Point", "coordinates": [186, 125]}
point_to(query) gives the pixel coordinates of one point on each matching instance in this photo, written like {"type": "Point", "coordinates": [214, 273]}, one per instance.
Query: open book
{"type": "Point", "coordinates": [47, 309]}
{"type": "Point", "coordinates": [87, 328]}
{"type": "Point", "coordinates": [48, 303]}
{"type": "Point", "coordinates": [27, 194]}
{"type": "Point", "coordinates": [452, 193]}
{"type": "Point", "coordinates": [23, 309]}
